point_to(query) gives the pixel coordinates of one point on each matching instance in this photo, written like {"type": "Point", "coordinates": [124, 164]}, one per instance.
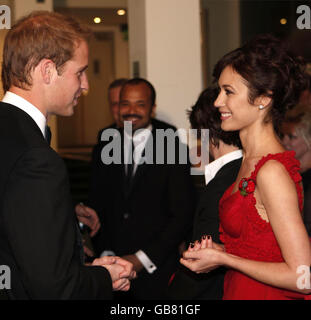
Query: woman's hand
{"type": "Point", "coordinates": [203, 256]}
{"type": "Point", "coordinates": [205, 242]}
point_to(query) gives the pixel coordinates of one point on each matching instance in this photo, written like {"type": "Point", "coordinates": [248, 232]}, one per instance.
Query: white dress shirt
{"type": "Point", "coordinates": [139, 141]}
{"type": "Point", "coordinates": [27, 107]}
{"type": "Point", "coordinates": [212, 168]}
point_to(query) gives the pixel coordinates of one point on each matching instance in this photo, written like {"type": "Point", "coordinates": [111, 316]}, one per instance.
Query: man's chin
{"type": "Point", "coordinates": [66, 113]}
{"type": "Point", "coordinates": [137, 124]}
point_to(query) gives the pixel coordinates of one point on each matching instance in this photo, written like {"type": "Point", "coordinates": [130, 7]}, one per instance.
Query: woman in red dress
{"type": "Point", "coordinates": [265, 244]}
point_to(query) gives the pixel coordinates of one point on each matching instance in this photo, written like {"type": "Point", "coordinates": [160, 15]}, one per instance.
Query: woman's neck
{"type": "Point", "coordinates": [259, 140]}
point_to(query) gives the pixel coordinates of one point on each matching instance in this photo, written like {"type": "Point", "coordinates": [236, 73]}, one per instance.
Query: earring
{"type": "Point", "coordinates": [261, 107]}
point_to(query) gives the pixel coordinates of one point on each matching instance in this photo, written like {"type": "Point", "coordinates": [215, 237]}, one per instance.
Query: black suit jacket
{"type": "Point", "coordinates": [153, 216]}
{"type": "Point", "coordinates": [39, 237]}
{"type": "Point", "coordinates": [187, 284]}
{"type": "Point", "coordinates": [99, 134]}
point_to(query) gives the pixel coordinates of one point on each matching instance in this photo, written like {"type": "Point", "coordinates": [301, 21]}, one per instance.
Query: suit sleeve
{"type": "Point", "coordinates": [207, 215]}
{"type": "Point", "coordinates": [98, 180]}
{"type": "Point", "coordinates": [206, 221]}
{"type": "Point", "coordinates": [41, 229]}
{"type": "Point", "coordinates": [98, 192]}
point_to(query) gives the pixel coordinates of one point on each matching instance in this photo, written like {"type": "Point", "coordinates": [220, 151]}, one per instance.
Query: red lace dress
{"type": "Point", "coordinates": [245, 234]}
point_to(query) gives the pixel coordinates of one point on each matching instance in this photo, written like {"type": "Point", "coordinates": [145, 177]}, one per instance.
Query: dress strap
{"type": "Point", "coordinates": [292, 166]}
{"type": "Point", "coordinates": [287, 158]}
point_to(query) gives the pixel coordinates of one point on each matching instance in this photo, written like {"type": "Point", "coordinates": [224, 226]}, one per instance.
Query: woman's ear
{"type": "Point", "coordinates": [263, 102]}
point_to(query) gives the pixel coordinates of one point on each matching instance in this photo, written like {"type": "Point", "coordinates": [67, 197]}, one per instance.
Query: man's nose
{"type": "Point", "coordinates": [84, 82]}
{"type": "Point", "coordinates": [132, 109]}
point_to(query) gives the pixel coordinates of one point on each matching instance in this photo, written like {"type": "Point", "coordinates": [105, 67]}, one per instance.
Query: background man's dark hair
{"type": "Point", "coordinates": [137, 81]}
{"type": "Point", "coordinates": [204, 115]}
{"type": "Point", "coordinates": [117, 83]}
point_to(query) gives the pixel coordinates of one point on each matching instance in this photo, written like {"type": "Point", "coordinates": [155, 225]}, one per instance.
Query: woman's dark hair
{"type": "Point", "coordinates": [269, 69]}
{"type": "Point", "coordinates": [204, 115]}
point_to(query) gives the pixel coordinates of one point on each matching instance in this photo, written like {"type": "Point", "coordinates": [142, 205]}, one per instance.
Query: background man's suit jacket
{"type": "Point", "coordinates": [187, 284]}
{"type": "Point", "coordinates": [39, 237]}
{"type": "Point", "coordinates": [154, 216]}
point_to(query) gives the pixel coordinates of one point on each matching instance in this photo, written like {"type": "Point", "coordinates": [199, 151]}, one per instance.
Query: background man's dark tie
{"type": "Point", "coordinates": [130, 167]}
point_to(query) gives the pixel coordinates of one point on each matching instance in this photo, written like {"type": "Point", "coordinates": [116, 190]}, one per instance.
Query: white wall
{"type": "Point", "coordinates": [169, 51]}
{"type": "Point", "coordinates": [137, 35]}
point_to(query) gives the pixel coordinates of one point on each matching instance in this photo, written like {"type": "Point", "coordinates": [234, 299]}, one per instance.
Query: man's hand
{"type": "Point", "coordinates": [121, 271]}
{"type": "Point", "coordinates": [87, 250]}
{"type": "Point", "coordinates": [89, 217]}
{"type": "Point", "coordinates": [137, 265]}
{"type": "Point", "coordinates": [129, 270]}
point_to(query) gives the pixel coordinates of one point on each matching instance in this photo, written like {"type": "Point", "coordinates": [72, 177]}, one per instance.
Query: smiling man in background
{"type": "Point", "coordinates": [145, 209]}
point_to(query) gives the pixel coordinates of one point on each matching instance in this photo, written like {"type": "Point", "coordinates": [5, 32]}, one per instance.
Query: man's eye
{"type": "Point", "coordinates": [228, 92]}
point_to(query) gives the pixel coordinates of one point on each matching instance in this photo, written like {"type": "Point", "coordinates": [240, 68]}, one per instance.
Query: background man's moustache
{"type": "Point", "coordinates": [126, 116]}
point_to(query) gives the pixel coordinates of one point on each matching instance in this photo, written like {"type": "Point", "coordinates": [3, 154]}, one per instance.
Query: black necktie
{"type": "Point", "coordinates": [48, 134]}
{"type": "Point", "coordinates": [130, 166]}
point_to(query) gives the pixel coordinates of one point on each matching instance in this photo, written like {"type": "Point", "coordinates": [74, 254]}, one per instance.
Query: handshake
{"type": "Point", "coordinates": [121, 271]}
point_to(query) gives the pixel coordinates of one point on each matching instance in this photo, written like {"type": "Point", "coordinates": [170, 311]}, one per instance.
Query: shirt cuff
{"type": "Point", "coordinates": [107, 253]}
{"type": "Point", "coordinates": [147, 263]}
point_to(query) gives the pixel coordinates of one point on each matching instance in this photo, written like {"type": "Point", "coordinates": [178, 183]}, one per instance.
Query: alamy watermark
{"type": "Point", "coordinates": [5, 17]}
{"type": "Point", "coordinates": [304, 20]}
{"type": "Point", "coordinates": [165, 147]}
{"type": "Point", "coordinates": [5, 277]}
{"type": "Point", "coordinates": [303, 281]}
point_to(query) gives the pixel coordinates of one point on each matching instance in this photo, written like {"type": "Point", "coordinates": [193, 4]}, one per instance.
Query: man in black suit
{"type": "Point", "coordinates": [219, 175]}
{"type": "Point", "coordinates": [145, 209]}
{"type": "Point", "coordinates": [43, 72]}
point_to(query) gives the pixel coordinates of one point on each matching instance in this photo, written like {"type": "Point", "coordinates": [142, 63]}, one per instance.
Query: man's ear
{"type": "Point", "coordinates": [46, 69]}
{"type": "Point", "coordinates": [153, 108]}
